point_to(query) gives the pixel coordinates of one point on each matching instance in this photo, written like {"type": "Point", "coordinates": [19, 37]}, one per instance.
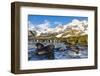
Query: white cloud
{"type": "Point", "coordinates": [44, 25]}
{"type": "Point", "coordinates": [85, 22]}
{"type": "Point", "coordinates": [30, 25]}
{"type": "Point", "coordinates": [74, 22]}
{"type": "Point", "coordinates": [78, 25]}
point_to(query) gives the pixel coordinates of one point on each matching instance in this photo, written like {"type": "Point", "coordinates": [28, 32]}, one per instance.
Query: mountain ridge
{"type": "Point", "coordinates": [73, 28]}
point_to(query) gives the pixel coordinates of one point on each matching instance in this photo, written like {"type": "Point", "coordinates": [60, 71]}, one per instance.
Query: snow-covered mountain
{"type": "Point", "coordinates": [75, 27]}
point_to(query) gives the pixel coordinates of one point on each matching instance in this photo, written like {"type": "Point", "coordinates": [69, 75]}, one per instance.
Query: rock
{"type": "Point", "coordinates": [45, 50]}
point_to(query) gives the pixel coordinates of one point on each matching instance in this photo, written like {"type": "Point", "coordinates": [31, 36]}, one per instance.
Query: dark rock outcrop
{"type": "Point", "coordinates": [45, 50]}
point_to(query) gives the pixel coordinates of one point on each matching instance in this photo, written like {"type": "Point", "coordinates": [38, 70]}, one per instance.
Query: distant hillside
{"type": "Point", "coordinates": [72, 32]}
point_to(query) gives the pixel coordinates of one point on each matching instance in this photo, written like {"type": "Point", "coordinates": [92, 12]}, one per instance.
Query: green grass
{"type": "Point", "coordinates": [82, 40]}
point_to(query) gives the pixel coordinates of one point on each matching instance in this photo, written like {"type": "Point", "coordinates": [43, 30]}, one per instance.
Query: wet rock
{"type": "Point", "coordinates": [45, 50]}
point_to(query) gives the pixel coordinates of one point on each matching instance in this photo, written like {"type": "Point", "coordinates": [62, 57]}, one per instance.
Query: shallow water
{"type": "Point", "coordinates": [58, 54]}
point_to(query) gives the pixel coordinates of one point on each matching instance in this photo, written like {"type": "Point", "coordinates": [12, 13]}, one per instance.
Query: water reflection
{"type": "Point", "coordinates": [60, 52]}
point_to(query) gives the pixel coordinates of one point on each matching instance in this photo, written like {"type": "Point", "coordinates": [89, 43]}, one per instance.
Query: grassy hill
{"type": "Point", "coordinates": [82, 40]}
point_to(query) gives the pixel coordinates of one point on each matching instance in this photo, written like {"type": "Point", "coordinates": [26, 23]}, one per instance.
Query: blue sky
{"type": "Point", "coordinates": [53, 20]}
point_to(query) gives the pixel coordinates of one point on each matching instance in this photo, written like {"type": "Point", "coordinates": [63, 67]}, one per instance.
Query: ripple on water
{"type": "Point", "coordinates": [58, 54]}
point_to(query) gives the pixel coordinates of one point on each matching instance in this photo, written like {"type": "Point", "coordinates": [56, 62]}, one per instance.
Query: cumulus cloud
{"type": "Point", "coordinates": [74, 22]}
{"type": "Point", "coordinates": [30, 25]}
{"type": "Point", "coordinates": [85, 22]}
{"type": "Point", "coordinates": [44, 25]}
{"type": "Point", "coordinates": [77, 24]}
